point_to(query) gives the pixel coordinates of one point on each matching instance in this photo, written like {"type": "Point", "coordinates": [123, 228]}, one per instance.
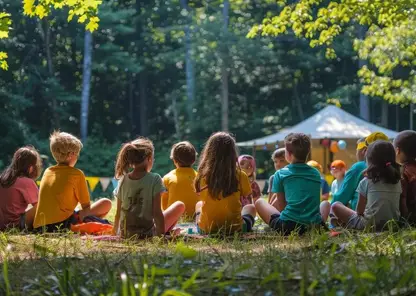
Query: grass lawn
{"type": "Point", "coordinates": [316, 264]}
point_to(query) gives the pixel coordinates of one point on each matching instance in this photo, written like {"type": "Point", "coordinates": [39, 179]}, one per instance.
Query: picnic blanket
{"type": "Point", "coordinates": [93, 225]}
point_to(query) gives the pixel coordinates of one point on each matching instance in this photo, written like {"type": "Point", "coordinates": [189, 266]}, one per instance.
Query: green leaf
{"type": "Point", "coordinates": [185, 251]}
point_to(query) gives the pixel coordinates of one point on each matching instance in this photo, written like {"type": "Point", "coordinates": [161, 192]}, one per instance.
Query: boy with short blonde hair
{"type": "Point", "coordinates": [63, 187]}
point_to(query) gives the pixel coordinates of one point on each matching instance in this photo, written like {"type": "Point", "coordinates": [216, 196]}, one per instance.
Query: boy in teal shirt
{"type": "Point", "coordinates": [298, 189]}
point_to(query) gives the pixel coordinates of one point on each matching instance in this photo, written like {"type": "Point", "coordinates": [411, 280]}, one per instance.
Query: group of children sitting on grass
{"type": "Point", "coordinates": [222, 196]}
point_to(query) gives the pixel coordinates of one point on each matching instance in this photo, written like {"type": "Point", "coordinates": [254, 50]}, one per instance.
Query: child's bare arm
{"type": "Point", "coordinates": [362, 202]}
{"type": "Point", "coordinates": [117, 217]}
{"type": "Point", "coordinates": [269, 200]}
{"type": "Point", "coordinates": [158, 215]}
{"type": "Point", "coordinates": [280, 201]}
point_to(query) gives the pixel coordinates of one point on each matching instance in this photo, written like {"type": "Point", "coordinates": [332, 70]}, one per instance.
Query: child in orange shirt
{"type": "Point", "coordinates": [248, 165]}
{"type": "Point", "coordinates": [18, 189]}
{"type": "Point", "coordinates": [220, 185]}
{"type": "Point", "coordinates": [179, 183]}
{"type": "Point", "coordinates": [63, 186]}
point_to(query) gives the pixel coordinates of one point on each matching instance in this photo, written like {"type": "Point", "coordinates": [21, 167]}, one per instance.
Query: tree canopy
{"type": "Point", "coordinates": [140, 85]}
{"type": "Point", "coordinates": [389, 44]}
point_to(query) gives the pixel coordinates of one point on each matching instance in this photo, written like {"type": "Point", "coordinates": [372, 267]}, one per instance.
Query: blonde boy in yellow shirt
{"type": "Point", "coordinates": [63, 187]}
{"type": "Point", "coordinates": [179, 183]}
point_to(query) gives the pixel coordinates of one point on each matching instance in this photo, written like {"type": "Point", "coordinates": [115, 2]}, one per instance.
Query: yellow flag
{"type": "Point", "coordinates": [93, 181]}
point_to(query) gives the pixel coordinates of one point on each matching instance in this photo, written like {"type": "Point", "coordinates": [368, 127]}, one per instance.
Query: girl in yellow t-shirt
{"type": "Point", "coordinates": [220, 184]}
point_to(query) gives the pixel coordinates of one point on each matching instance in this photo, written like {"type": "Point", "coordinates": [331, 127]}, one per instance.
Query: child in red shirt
{"type": "Point", "coordinates": [18, 189]}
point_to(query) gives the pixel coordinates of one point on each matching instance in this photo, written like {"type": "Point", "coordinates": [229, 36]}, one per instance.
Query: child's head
{"type": "Point", "coordinates": [338, 168]}
{"type": "Point", "coordinates": [279, 159]}
{"type": "Point", "coordinates": [137, 154]}
{"type": "Point", "coordinates": [26, 162]}
{"type": "Point", "coordinates": [65, 148]}
{"type": "Point", "coordinates": [218, 166]}
{"type": "Point", "coordinates": [361, 149]}
{"type": "Point", "coordinates": [315, 165]}
{"type": "Point", "coordinates": [405, 146]}
{"type": "Point", "coordinates": [247, 164]}
{"type": "Point", "coordinates": [183, 154]}
{"type": "Point", "coordinates": [363, 143]}
{"type": "Point", "coordinates": [298, 147]}
{"type": "Point", "coordinates": [381, 162]}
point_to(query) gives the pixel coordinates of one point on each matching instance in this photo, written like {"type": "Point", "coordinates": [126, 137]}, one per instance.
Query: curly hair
{"type": "Point", "coordinates": [62, 144]}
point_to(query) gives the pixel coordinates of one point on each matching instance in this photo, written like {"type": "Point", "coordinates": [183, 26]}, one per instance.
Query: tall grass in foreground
{"type": "Point", "coordinates": [354, 264]}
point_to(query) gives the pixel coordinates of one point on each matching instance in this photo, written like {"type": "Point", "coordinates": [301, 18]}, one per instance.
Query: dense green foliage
{"type": "Point", "coordinates": [139, 86]}
{"type": "Point", "coordinates": [389, 45]}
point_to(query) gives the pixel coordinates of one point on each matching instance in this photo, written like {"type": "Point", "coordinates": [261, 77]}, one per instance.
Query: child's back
{"type": "Point", "coordinates": [301, 185]}
{"type": "Point", "coordinates": [136, 196]}
{"type": "Point", "coordinates": [223, 213]}
{"type": "Point", "coordinates": [14, 201]}
{"type": "Point", "coordinates": [221, 186]}
{"type": "Point", "coordinates": [18, 189]}
{"type": "Point", "coordinates": [180, 186]}
{"type": "Point", "coordinates": [139, 211]}
{"type": "Point", "coordinates": [383, 201]}
{"type": "Point", "coordinates": [61, 189]}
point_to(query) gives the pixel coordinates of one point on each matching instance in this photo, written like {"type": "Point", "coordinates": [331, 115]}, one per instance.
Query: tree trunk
{"type": "Point", "coordinates": [190, 77]}
{"type": "Point", "coordinates": [86, 84]}
{"type": "Point", "coordinates": [176, 117]}
{"type": "Point", "coordinates": [364, 103]}
{"type": "Point", "coordinates": [224, 70]}
{"type": "Point", "coordinates": [45, 33]}
{"type": "Point", "coordinates": [143, 103]}
{"type": "Point", "coordinates": [131, 103]}
{"type": "Point", "coordinates": [385, 113]}
{"type": "Point", "coordinates": [298, 102]}
{"type": "Point", "coordinates": [397, 118]}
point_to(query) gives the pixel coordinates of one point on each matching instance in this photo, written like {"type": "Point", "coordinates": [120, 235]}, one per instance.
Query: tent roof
{"type": "Point", "coordinates": [330, 122]}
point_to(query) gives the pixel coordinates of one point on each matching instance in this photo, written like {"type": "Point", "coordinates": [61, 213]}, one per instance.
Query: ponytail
{"type": "Point", "coordinates": [133, 153]}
